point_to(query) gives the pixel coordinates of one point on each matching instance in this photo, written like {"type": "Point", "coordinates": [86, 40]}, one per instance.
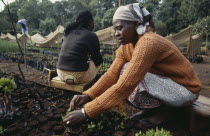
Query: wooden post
{"type": "Point", "coordinates": [25, 40]}
{"type": "Point", "coordinates": [190, 50]}
{"type": "Point", "coordinates": [120, 3]}
{"type": "Point", "coordinates": [206, 43]}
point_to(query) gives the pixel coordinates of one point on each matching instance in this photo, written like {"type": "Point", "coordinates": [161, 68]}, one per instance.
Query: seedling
{"type": "Point", "coordinates": [1, 130]}
{"type": "Point", "coordinates": [7, 85]}
{"type": "Point", "coordinates": [152, 132]}
{"type": "Point", "coordinates": [103, 122]}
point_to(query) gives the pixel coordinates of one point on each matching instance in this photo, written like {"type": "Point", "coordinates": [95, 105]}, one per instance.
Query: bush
{"type": "Point", "coordinates": [7, 85]}
{"type": "Point", "coordinates": [153, 132]}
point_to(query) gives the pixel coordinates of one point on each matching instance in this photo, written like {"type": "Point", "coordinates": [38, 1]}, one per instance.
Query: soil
{"type": "Point", "coordinates": [37, 110]}
{"type": "Point", "coordinates": [33, 109]}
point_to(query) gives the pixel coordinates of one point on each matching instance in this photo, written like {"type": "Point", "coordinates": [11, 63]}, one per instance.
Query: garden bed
{"type": "Point", "coordinates": [34, 110]}
{"type": "Point", "coordinates": [37, 110]}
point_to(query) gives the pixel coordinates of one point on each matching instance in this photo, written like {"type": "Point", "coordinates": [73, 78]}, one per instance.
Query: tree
{"type": "Point", "coordinates": [191, 11]}
{"type": "Point", "coordinates": [5, 20]}
{"type": "Point", "coordinates": [99, 7]}
{"type": "Point", "coordinates": [30, 12]}
{"type": "Point", "coordinates": [107, 18]}
{"type": "Point", "coordinates": [45, 9]}
{"type": "Point", "coordinates": [168, 14]}
{"type": "Point", "coordinates": [161, 28]}
{"type": "Point", "coordinates": [203, 26]}
{"type": "Point", "coordinates": [48, 25]}
{"type": "Point", "coordinates": [5, 24]}
{"type": "Point", "coordinates": [59, 11]}
{"type": "Point", "coordinates": [153, 7]}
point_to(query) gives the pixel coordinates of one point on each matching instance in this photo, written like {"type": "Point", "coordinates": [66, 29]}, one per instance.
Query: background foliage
{"type": "Point", "coordinates": [170, 16]}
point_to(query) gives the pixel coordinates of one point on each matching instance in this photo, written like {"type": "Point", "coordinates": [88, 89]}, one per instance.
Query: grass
{"type": "Point", "coordinates": [8, 46]}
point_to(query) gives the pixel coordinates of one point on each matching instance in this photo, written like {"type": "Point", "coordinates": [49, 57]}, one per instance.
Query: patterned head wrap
{"type": "Point", "coordinates": [133, 12]}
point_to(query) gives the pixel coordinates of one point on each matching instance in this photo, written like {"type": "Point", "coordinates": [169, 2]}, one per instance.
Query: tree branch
{"type": "Point", "coordinates": [7, 6]}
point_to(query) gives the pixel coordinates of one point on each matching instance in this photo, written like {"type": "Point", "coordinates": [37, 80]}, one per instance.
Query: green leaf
{"type": "Point", "coordinates": [152, 132]}
{"type": "Point", "coordinates": [7, 85]}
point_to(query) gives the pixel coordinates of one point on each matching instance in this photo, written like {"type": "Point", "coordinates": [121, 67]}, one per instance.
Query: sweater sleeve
{"type": "Point", "coordinates": [109, 78]}
{"type": "Point", "coordinates": [143, 58]}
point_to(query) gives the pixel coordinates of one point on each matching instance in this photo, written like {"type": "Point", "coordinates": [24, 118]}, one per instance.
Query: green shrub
{"type": "Point", "coordinates": [152, 132]}
{"type": "Point", "coordinates": [7, 85]}
{"type": "Point", "coordinates": [109, 120]}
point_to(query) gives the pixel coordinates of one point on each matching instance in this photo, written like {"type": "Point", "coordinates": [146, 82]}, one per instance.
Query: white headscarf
{"type": "Point", "coordinates": [133, 12]}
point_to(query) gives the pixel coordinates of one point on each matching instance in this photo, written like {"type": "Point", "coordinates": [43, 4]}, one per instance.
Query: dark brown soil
{"type": "Point", "coordinates": [33, 109]}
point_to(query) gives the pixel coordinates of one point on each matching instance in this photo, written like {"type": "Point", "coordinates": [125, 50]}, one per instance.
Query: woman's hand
{"type": "Point", "coordinates": [74, 117]}
{"type": "Point", "coordinates": [78, 100]}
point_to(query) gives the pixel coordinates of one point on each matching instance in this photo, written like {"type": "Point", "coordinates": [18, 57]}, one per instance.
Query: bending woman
{"type": "Point", "coordinates": [80, 52]}
{"type": "Point", "coordinates": [156, 73]}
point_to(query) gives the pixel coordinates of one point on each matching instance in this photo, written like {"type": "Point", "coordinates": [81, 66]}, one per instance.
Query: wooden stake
{"type": "Point", "coordinates": [120, 3]}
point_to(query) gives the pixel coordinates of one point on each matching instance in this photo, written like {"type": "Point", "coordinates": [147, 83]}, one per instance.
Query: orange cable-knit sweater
{"type": "Point", "coordinates": [152, 53]}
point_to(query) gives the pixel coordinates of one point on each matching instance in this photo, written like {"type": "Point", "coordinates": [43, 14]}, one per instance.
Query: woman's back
{"type": "Point", "coordinates": [76, 48]}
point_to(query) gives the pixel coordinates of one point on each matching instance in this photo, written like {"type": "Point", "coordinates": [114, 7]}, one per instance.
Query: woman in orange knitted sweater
{"type": "Point", "coordinates": [154, 71]}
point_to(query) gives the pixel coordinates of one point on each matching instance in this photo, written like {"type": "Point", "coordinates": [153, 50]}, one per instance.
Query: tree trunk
{"type": "Point", "coordinates": [120, 2]}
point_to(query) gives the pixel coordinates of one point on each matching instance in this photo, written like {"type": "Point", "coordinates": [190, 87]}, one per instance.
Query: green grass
{"type": "Point", "coordinates": [8, 46]}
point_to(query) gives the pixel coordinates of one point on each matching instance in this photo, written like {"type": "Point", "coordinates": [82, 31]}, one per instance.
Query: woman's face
{"type": "Point", "coordinates": [125, 31]}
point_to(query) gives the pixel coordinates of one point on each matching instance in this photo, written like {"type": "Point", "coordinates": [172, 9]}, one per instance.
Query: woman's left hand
{"type": "Point", "coordinates": [74, 117]}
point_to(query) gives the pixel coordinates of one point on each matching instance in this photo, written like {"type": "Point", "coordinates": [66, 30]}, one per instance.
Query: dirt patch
{"type": "Point", "coordinates": [31, 74]}
{"type": "Point", "coordinates": [33, 109]}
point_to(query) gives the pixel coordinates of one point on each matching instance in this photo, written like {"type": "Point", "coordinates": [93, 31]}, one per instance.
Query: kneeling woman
{"type": "Point", "coordinates": [156, 74]}
{"type": "Point", "coordinates": [80, 52]}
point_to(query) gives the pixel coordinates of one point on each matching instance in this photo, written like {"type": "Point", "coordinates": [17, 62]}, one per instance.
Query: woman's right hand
{"type": "Point", "coordinates": [78, 100]}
